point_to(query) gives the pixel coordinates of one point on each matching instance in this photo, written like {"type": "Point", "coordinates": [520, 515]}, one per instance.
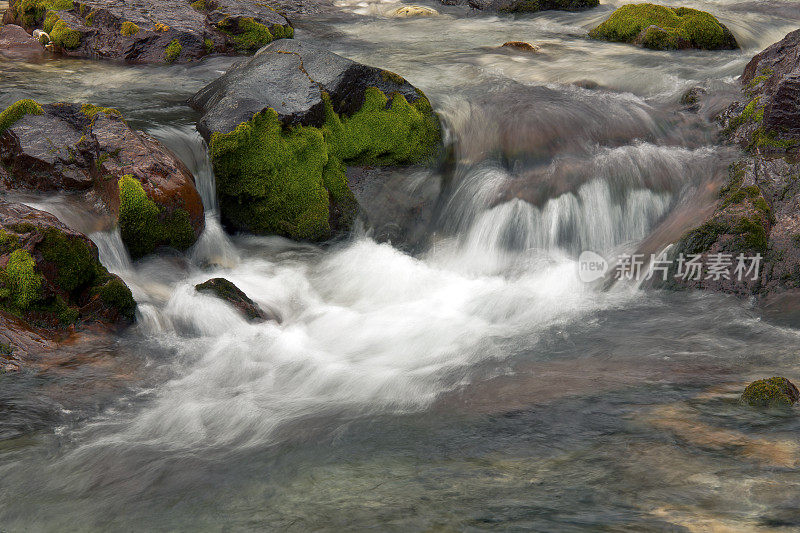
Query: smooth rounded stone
{"type": "Point", "coordinates": [51, 276]}
{"type": "Point", "coordinates": [225, 290]}
{"type": "Point", "coordinates": [414, 11]}
{"type": "Point", "coordinates": [772, 392]}
{"type": "Point", "coordinates": [283, 126]}
{"type": "Point", "coordinates": [525, 6]}
{"type": "Point", "coordinates": [151, 31]}
{"type": "Point", "coordinates": [72, 148]}
{"type": "Point", "coordinates": [521, 46]}
{"type": "Point", "coordinates": [16, 43]}
{"type": "Point", "coordinates": [665, 28]}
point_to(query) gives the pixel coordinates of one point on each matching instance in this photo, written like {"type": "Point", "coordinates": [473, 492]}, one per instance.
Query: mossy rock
{"type": "Point", "coordinates": [280, 149]}
{"type": "Point", "coordinates": [51, 276]}
{"type": "Point", "coordinates": [774, 392]}
{"type": "Point", "coordinates": [91, 150]}
{"type": "Point", "coordinates": [665, 28]}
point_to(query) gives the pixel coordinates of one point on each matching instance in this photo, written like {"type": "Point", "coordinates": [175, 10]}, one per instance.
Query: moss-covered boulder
{"type": "Point", "coordinates": [525, 6]}
{"type": "Point", "coordinates": [772, 392]}
{"type": "Point", "coordinates": [93, 151]}
{"type": "Point", "coordinates": [152, 31]}
{"type": "Point", "coordinates": [665, 28]}
{"type": "Point", "coordinates": [225, 290]}
{"type": "Point", "coordinates": [283, 125]}
{"type": "Point", "coordinates": [51, 276]}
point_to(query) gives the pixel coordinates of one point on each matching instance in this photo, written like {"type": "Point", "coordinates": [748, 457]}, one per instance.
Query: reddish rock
{"type": "Point", "coordinates": [16, 43]}
{"type": "Point", "coordinates": [73, 148]}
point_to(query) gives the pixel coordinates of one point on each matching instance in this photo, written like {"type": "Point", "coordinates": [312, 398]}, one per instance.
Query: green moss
{"type": "Point", "coordinates": [208, 45]}
{"type": "Point", "coordinates": [389, 76]}
{"type": "Point", "coordinates": [75, 262]}
{"type": "Point", "coordinates": [8, 242]}
{"type": "Point", "coordinates": [63, 312]}
{"type": "Point", "coordinates": [32, 12]}
{"type": "Point", "coordinates": [772, 392]}
{"type": "Point", "coordinates": [702, 238]}
{"type": "Point", "coordinates": [199, 5]}
{"type": "Point", "coordinates": [91, 110]}
{"type": "Point", "coordinates": [144, 225]}
{"type": "Point", "coordinates": [128, 29]}
{"type": "Point", "coordinates": [280, 180]}
{"type": "Point", "coordinates": [173, 51]}
{"type": "Point", "coordinates": [674, 28]}
{"type": "Point", "coordinates": [65, 37]}
{"type": "Point", "coordinates": [114, 293]}
{"type": "Point", "coordinates": [90, 18]}
{"type": "Point", "coordinates": [22, 280]}
{"type": "Point", "coordinates": [16, 111]}
{"type": "Point", "coordinates": [251, 36]}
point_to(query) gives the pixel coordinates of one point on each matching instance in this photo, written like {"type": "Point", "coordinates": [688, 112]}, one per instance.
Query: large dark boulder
{"type": "Point", "coordinates": [91, 150]}
{"type": "Point", "coordinates": [525, 6]}
{"type": "Point", "coordinates": [283, 125]}
{"type": "Point", "coordinates": [50, 276]}
{"type": "Point", "coordinates": [152, 31]}
{"type": "Point", "coordinates": [757, 209]}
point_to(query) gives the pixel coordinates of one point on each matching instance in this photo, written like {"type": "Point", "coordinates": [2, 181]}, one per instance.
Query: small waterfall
{"type": "Point", "coordinates": [113, 254]}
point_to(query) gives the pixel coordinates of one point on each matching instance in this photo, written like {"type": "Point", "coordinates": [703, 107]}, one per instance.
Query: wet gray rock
{"type": "Point", "coordinates": [290, 77]}
{"type": "Point", "coordinates": [154, 31]}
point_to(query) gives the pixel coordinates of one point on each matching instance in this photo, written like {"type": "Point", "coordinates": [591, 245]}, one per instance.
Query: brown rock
{"type": "Point", "coordinates": [521, 45]}
{"type": "Point", "coordinates": [74, 148]}
{"type": "Point", "coordinates": [16, 43]}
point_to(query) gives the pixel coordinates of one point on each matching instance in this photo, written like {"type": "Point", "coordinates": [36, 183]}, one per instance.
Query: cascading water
{"type": "Point", "coordinates": [475, 381]}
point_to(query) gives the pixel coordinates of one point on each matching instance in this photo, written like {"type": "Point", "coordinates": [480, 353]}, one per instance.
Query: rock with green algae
{"type": "Point", "coordinates": [665, 28]}
{"type": "Point", "coordinates": [283, 126]}
{"type": "Point", "coordinates": [51, 276]}
{"type": "Point", "coordinates": [772, 392]}
{"type": "Point", "coordinates": [148, 31]}
{"type": "Point", "coordinates": [89, 150]}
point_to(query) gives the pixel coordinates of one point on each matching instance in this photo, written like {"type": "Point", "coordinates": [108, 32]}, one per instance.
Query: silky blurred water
{"type": "Point", "coordinates": [469, 381]}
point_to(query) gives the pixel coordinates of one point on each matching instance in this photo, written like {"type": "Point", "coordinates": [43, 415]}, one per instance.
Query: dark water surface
{"type": "Point", "coordinates": [473, 384]}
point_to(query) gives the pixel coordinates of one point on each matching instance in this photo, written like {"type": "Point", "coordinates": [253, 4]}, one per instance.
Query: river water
{"type": "Point", "coordinates": [464, 381]}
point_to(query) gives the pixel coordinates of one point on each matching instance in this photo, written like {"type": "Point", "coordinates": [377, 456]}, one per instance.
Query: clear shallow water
{"type": "Point", "coordinates": [474, 384]}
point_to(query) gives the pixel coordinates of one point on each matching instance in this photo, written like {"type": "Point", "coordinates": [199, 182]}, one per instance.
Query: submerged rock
{"type": "Point", "coordinates": [50, 276]}
{"type": "Point", "coordinates": [283, 125]}
{"type": "Point", "coordinates": [92, 150]}
{"type": "Point", "coordinates": [525, 6]}
{"type": "Point", "coordinates": [772, 392]}
{"type": "Point", "coordinates": [152, 31]}
{"type": "Point", "coordinates": [665, 28]}
{"type": "Point", "coordinates": [227, 291]}
{"type": "Point", "coordinates": [16, 43]}
{"type": "Point", "coordinates": [757, 210]}
{"type": "Point", "coordinates": [521, 45]}
{"type": "Point", "coordinates": [414, 11]}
